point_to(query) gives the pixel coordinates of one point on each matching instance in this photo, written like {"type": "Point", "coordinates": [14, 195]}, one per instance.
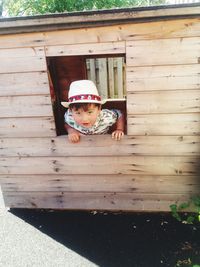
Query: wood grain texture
{"type": "Point", "coordinates": [150, 78]}
{"type": "Point", "coordinates": [163, 52]}
{"type": "Point", "coordinates": [188, 27]}
{"type": "Point", "coordinates": [86, 49]}
{"type": "Point", "coordinates": [24, 83]}
{"type": "Point", "coordinates": [25, 106]}
{"type": "Point", "coordinates": [22, 60]}
{"type": "Point", "coordinates": [101, 145]}
{"type": "Point", "coordinates": [101, 183]}
{"type": "Point", "coordinates": [27, 127]}
{"type": "Point", "coordinates": [164, 124]}
{"type": "Point", "coordinates": [94, 201]}
{"type": "Point", "coordinates": [187, 101]}
{"type": "Point", "coordinates": [145, 165]}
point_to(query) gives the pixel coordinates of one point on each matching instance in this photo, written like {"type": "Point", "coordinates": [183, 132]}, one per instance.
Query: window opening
{"type": "Point", "coordinates": [107, 72]}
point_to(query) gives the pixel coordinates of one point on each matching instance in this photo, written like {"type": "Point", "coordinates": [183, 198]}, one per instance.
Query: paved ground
{"type": "Point", "coordinates": [25, 245]}
{"type": "Point", "coordinates": [75, 239]}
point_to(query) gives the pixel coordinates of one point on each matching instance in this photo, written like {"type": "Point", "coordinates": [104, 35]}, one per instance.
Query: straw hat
{"type": "Point", "coordinates": [83, 91]}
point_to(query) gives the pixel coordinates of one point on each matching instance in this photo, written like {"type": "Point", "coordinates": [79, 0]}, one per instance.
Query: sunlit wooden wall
{"type": "Point", "coordinates": [156, 164]}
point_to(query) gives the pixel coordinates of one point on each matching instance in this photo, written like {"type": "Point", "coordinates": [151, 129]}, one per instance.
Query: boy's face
{"type": "Point", "coordinates": [86, 118]}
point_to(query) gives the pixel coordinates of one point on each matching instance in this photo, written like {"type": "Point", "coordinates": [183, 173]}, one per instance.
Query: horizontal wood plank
{"type": "Point", "coordinates": [28, 83]}
{"type": "Point", "coordinates": [164, 124]}
{"type": "Point", "coordinates": [27, 127]}
{"type": "Point", "coordinates": [22, 40]}
{"type": "Point", "coordinates": [100, 183]}
{"type": "Point", "coordinates": [178, 77]}
{"type": "Point", "coordinates": [22, 60]}
{"type": "Point", "coordinates": [22, 52]}
{"type": "Point", "coordinates": [25, 106]}
{"type": "Point", "coordinates": [86, 49]}
{"type": "Point", "coordinates": [101, 145]}
{"type": "Point", "coordinates": [163, 52]}
{"type": "Point", "coordinates": [10, 65]}
{"type": "Point", "coordinates": [145, 165]}
{"type": "Point", "coordinates": [137, 31]}
{"type": "Point", "coordinates": [163, 102]}
{"type": "Point", "coordinates": [93, 201]}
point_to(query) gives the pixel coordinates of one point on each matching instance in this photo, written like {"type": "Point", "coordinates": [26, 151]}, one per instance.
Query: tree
{"type": "Point", "coordinates": [1, 7]}
{"type": "Point", "coordinates": [33, 7]}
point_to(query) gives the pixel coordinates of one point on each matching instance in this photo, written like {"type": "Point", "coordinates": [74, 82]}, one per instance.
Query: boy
{"type": "Point", "coordinates": [85, 116]}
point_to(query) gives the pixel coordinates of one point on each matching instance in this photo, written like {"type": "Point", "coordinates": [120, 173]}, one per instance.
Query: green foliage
{"type": "Point", "coordinates": [186, 263]}
{"type": "Point", "coordinates": [33, 7]}
{"type": "Point", "coordinates": [178, 211]}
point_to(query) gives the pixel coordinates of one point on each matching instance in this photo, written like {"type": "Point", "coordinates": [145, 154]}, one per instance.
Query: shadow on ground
{"type": "Point", "coordinates": [120, 240]}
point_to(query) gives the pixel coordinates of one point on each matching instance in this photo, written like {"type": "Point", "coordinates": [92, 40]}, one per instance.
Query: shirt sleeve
{"type": "Point", "coordinates": [117, 112]}
{"type": "Point", "coordinates": [110, 116]}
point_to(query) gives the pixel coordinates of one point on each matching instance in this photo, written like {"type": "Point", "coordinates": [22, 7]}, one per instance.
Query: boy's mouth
{"type": "Point", "coordinates": [86, 124]}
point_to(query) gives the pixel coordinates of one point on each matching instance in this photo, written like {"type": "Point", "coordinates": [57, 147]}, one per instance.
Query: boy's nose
{"type": "Point", "coordinates": [85, 118]}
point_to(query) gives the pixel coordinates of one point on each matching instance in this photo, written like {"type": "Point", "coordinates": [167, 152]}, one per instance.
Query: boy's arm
{"type": "Point", "coordinates": [120, 123]}
{"type": "Point", "coordinates": [73, 135]}
{"type": "Point", "coordinates": [119, 131]}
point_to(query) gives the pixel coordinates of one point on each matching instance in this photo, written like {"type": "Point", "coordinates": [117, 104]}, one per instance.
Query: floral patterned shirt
{"type": "Point", "coordinates": [104, 121]}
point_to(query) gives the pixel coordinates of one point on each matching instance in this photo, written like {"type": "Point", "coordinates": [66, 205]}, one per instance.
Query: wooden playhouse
{"type": "Point", "coordinates": [158, 161]}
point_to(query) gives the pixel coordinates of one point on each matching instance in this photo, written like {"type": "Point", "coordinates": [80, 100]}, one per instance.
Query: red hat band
{"type": "Point", "coordinates": [84, 97]}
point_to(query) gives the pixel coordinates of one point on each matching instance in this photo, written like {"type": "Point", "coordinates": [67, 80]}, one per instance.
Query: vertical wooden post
{"type": "Point", "coordinates": [92, 70]}
{"type": "Point", "coordinates": [103, 78]}
{"type": "Point", "coordinates": [120, 77]}
{"type": "Point", "coordinates": [111, 78]}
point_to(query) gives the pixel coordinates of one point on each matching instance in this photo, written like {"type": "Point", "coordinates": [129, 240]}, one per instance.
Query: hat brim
{"type": "Point", "coordinates": [66, 104]}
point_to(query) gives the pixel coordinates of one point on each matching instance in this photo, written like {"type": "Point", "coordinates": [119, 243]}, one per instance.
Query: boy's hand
{"type": "Point", "coordinates": [74, 137]}
{"type": "Point", "coordinates": [117, 135]}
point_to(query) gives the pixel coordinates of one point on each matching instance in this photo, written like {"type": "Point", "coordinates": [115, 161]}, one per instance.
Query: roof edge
{"type": "Point", "coordinates": [95, 18]}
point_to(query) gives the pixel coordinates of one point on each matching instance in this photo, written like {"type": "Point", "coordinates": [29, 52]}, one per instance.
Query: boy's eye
{"type": "Point", "coordinates": [90, 111]}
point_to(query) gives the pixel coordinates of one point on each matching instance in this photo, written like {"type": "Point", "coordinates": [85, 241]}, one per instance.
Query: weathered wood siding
{"type": "Point", "coordinates": [156, 164]}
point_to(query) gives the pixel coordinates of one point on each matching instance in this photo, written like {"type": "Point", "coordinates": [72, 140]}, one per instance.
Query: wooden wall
{"type": "Point", "coordinates": [156, 164]}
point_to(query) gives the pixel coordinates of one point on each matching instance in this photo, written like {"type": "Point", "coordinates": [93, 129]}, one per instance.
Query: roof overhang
{"type": "Point", "coordinates": [82, 19]}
